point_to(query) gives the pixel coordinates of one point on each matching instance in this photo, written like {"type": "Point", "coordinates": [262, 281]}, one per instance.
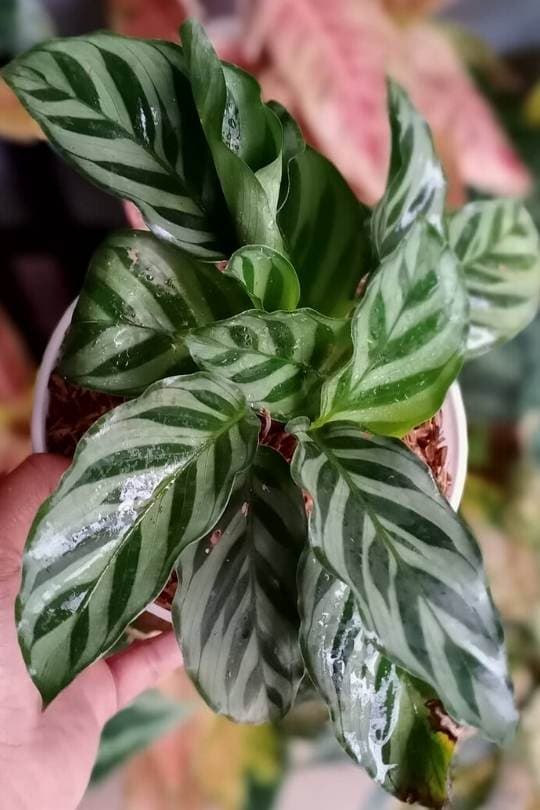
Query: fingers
{"type": "Point", "coordinates": [21, 493]}
{"type": "Point", "coordinates": [141, 665]}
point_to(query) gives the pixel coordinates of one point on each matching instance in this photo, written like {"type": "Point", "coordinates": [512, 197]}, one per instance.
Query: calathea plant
{"type": "Point", "coordinates": [347, 564]}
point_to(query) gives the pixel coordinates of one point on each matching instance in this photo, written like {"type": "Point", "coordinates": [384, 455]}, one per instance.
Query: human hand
{"type": "Point", "coordinates": [46, 757]}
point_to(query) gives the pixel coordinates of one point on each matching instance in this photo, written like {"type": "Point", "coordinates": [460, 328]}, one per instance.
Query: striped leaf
{"type": "Point", "coordinates": [416, 185]}
{"type": "Point", "coordinates": [380, 525]}
{"type": "Point", "coordinates": [268, 276]}
{"type": "Point", "coordinates": [326, 234]}
{"type": "Point", "coordinates": [235, 611]}
{"type": "Point", "coordinates": [390, 723]}
{"type": "Point", "coordinates": [244, 135]}
{"type": "Point", "coordinates": [147, 479]}
{"type": "Point", "coordinates": [278, 360]}
{"type": "Point", "coordinates": [409, 339]}
{"type": "Point", "coordinates": [141, 297]}
{"type": "Point", "coordinates": [497, 243]}
{"type": "Point", "coordinates": [121, 111]}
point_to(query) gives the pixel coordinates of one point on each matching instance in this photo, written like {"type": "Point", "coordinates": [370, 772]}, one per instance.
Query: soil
{"type": "Point", "coordinates": [72, 410]}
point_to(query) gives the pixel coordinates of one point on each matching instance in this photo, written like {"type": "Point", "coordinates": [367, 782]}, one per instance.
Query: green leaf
{"type": "Point", "coordinates": [22, 24]}
{"type": "Point", "coordinates": [390, 723]}
{"type": "Point", "coordinates": [244, 136]}
{"type": "Point", "coordinates": [380, 525]}
{"type": "Point", "coordinates": [278, 360]}
{"type": "Point", "coordinates": [293, 145]}
{"type": "Point", "coordinates": [409, 335]}
{"type": "Point", "coordinates": [147, 479]}
{"type": "Point", "coordinates": [121, 111]}
{"type": "Point", "coordinates": [141, 297]}
{"type": "Point", "coordinates": [235, 612]}
{"type": "Point", "coordinates": [326, 234]}
{"type": "Point", "coordinates": [268, 276]}
{"type": "Point", "coordinates": [135, 728]}
{"type": "Point", "coordinates": [416, 186]}
{"type": "Point", "coordinates": [498, 246]}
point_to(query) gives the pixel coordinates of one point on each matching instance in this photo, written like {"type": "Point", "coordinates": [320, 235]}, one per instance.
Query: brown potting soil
{"type": "Point", "coordinates": [72, 410]}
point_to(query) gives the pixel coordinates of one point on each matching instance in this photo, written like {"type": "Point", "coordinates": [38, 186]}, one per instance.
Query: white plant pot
{"type": "Point", "coordinates": [454, 425]}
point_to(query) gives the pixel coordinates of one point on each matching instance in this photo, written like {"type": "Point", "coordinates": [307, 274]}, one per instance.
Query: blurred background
{"type": "Point", "coordinates": [473, 69]}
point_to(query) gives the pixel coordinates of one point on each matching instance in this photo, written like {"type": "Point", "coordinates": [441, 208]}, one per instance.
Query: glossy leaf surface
{"type": "Point", "coordinates": [147, 479]}
{"type": "Point", "coordinates": [244, 135]}
{"type": "Point", "coordinates": [279, 360]}
{"type": "Point", "coordinates": [293, 145]}
{"type": "Point", "coordinates": [380, 525]}
{"type": "Point", "coordinates": [416, 186]}
{"type": "Point", "coordinates": [121, 111]}
{"type": "Point", "coordinates": [267, 275]}
{"type": "Point", "coordinates": [390, 723]}
{"type": "Point", "coordinates": [497, 243]}
{"type": "Point", "coordinates": [326, 233]}
{"type": "Point", "coordinates": [409, 333]}
{"type": "Point", "coordinates": [235, 611]}
{"type": "Point", "coordinates": [141, 297]}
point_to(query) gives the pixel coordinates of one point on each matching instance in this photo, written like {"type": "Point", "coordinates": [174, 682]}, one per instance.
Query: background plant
{"type": "Point", "coordinates": [178, 476]}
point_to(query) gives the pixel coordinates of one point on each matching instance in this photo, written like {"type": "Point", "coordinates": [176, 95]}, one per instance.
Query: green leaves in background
{"type": "Point", "coordinates": [416, 186]}
{"type": "Point", "coordinates": [122, 112]}
{"type": "Point", "coordinates": [22, 24]}
{"type": "Point", "coordinates": [235, 611]}
{"type": "Point", "coordinates": [388, 722]}
{"type": "Point", "coordinates": [293, 145]}
{"type": "Point", "coordinates": [267, 275]}
{"type": "Point", "coordinates": [133, 729]}
{"type": "Point", "coordinates": [278, 360]}
{"type": "Point", "coordinates": [498, 246]}
{"type": "Point", "coordinates": [147, 479]}
{"type": "Point", "coordinates": [326, 234]}
{"type": "Point", "coordinates": [409, 339]}
{"type": "Point", "coordinates": [244, 136]}
{"type": "Point", "coordinates": [140, 299]}
{"type": "Point", "coordinates": [381, 526]}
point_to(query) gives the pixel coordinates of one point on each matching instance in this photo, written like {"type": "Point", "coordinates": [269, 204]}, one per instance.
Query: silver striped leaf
{"type": "Point", "coordinates": [120, 110]}
{"type": "Point", "coordinates": [416, 185]}
{"type": "Point", "coordinates": [267, 275]}
{"type": "Point", "coordinates": [498, 246]}
{"type": "Point", "coordinates": [147, 479]}
{"type": "Point", "coordinates": [244, 136]}
{"type": "Point", "coordinates": [326, 234]}
{"type": "Point", "coordinates": [235, 611]}
{"type": "Point", "coordinates": [381, 526]}
{"type": "Point", "coordinates": [390, 723]}
{"type": "Point", "coordinates": [141, 297]}
{"type": "Point", "coordinates": [278, 360]}
{"type": "Point", "coordinates": [409, 334]}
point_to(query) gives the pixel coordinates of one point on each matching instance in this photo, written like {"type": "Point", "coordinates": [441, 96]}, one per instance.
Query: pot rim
{"type": "Point", "coordinates": [454, 425]}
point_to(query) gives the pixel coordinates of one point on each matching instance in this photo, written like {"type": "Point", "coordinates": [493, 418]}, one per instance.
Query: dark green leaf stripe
{"type": "Point", "coordinates": [244, 135]}
{"type": "Point", "coordinates": [235, 611]}
{"type": "Point", "coordinates": [380, 525]}
{"type": "Point", "coordinates": [416, 185]}
{"type": "Point", "coordinates": [268, 276]}
{"type": "Point", "coordinates": [497, 243]}
{"type": "Point", "coordinates": [390, 723]}
{"type": "Point", "coordinates": [121, 111]}
{"type": "Point", "coordinates": [326, 233]}
{"type": "Point", "coordinates": [140, 299]}
{"type": "Point", "coordinates": [409, 335]}
{"type": "Point", "coordinates": [278, 360]}
{"type": "Point", "coordinates": [147, 479]}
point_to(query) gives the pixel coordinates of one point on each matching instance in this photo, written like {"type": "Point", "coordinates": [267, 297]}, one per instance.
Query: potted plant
{"type": "Point", "coordinates": [267, 308]}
